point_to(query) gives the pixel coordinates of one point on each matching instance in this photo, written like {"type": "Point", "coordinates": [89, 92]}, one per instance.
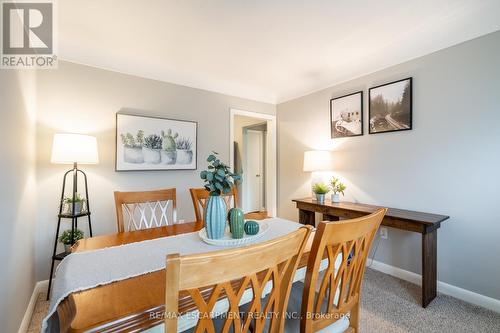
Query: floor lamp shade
{"type": "Point", "coordinates": [74, 148]}
{"type": "Point", "coordinates": [317, 160]}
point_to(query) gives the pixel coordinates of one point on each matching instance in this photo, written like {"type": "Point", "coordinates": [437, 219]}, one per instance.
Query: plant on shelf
{"type": "Point", "coordinates": [320, 189]}
{"type": "Point", "coordinates": [151, 149]}
{"type": "Point", "coordinates": [337, 187]}
{"type": "Point", "coordinates": [169, 152]}
{"type": "Point", "coordinates": [79, 203]}
{"type": "Point", "coordinates": [132, 147]}
{"type": "Point", "coordinates": [219, 180]}
{"type": "Point", "coordinates": [68, 241]}
{"type": "Point", "coordinates": [184, 150]}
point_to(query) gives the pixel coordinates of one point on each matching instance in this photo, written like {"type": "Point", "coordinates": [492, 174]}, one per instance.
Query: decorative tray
{"type": "Point", "coordinates": [228, 240]}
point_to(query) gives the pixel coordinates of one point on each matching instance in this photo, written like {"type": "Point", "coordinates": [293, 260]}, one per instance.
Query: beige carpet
{"type": "Point", "coordinates": [392, 305]}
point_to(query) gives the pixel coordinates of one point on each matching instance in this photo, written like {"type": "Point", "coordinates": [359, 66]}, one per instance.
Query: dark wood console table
{"type": "Point", "coordinates": [423, 223]}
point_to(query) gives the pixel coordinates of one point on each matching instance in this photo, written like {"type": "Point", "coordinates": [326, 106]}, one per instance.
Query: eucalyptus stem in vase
{"type": "Point", "coordinates": [219, 180]}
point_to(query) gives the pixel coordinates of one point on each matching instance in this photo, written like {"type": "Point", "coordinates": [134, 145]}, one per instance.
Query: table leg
{"type": "Point", "coordinates": [429, 267]}
{"type": "Point", "coordinates": [327, 217]}
{"type": "Point", "coordinates": [307, 217]}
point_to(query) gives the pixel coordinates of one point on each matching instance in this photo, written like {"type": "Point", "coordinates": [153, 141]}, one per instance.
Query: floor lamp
{"type": "Point", "coordinates": [72, 149]}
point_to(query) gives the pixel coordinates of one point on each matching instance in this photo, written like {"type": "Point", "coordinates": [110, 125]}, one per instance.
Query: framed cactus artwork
{"type": "Point", "coordinates": [152, 143]}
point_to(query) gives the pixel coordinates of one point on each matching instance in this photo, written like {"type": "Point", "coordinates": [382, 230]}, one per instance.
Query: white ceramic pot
{"type": "Point", "coordinates": [151, 156]}
{"type": "Point", "coordinates": [336, 197]}
{"type": "Point", "coordinates": [168, 156]}
{"type": "Point", "coordinates": [133, 155]}
{"type": "Point", "coordinates": [320, 198]}
{"type": "Point", "coordinates": [184, 156]}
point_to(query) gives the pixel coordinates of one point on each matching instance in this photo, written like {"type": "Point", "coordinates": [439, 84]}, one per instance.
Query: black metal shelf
{"type": "Point", "coordinates": [61, 256]}
{"type": "Point", "coordinates": [71, 216]}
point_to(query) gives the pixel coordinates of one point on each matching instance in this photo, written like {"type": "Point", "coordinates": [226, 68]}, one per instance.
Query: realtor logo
{"type": "Point", "coordinates": [28, 35]}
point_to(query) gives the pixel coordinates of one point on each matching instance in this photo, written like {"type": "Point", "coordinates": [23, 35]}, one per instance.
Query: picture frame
{"type": "Point", "coordinates": [390, 107]}
{"type": "Point", "coordinates": [346, 115]}
{"type": "Point", "coordinates": [148, 143]}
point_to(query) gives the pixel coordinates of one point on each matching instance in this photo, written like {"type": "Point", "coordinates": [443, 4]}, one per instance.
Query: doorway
{"type": "Point", "coordinates": [253, 155]}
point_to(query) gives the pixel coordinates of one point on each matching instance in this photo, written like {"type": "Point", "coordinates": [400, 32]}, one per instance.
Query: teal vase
{"type": "Point", "coordinates": [215, 217]}
{"type": "Point", "coordinates": [236, 222]}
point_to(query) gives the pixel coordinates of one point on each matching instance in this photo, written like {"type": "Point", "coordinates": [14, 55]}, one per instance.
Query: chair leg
{"type": "Point", "coordinates": [354, 318]}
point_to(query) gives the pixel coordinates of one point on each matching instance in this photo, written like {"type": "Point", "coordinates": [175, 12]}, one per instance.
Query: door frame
{"type": "Point", "coordinates": [271, 154]}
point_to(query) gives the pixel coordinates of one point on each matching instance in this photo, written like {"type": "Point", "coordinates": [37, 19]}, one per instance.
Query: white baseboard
{"type": "Point", "coordinates": [39, 287]}
{"type": "Point", "coordinates": [442, 287]}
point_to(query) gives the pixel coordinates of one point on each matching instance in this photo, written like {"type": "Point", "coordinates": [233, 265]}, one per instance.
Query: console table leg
{"type": "Point", "coordinates": [429, 267]}
{"type": "Point", "coordinates": [307, 217]}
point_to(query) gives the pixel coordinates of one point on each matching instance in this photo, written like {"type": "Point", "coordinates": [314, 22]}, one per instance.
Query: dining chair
{"type": "Point", "coordinates": [259, 275]}
{"type": "Point", "coordinates": [145, 209]}
{"type": "Point", "coordinates": [329, 301]}
{"type": "Point", "coordinates": [200, 197]}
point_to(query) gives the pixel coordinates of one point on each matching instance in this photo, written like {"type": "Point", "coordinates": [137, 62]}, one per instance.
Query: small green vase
{"type": "Point", "coordinates": [251, 228]}
{"type": "Point", "coordinates": [236, 222]}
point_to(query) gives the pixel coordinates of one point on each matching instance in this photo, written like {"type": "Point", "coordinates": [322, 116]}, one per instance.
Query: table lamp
{"type": "Point", "coordinates": [72, 149]}
{"type": "Point", "coordinates": [318, 162]}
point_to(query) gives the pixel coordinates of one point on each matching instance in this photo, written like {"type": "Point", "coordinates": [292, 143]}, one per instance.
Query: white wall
{"type": "Point", "coordinates": [449, 163]}
{"type": "Point", "coordinates": [83, 99]}
{"type": "Point", "coordinates": [17, 195]}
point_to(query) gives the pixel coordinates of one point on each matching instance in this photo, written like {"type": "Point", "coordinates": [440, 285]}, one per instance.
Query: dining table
{"type": "Point", "coordinates": [133, 304]}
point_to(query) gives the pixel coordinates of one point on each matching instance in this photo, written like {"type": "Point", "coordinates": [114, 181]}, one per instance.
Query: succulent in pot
{"type": "Point", "coordinates": [320, 189]}
{"type": "Point", "coordinates": [78, 203]}
{"type": "Point", "coordinates": [132, 147]}
{"type": "Point", "coordinates": [184, 151]}
{"type": "Point", "coordinates": [337, 187]}
{"type": "Point", "coordinates": [169, 151]}
{"type": "Point", "coordinates": [67, 239]}
{"type": "Point", "coordinates": [151, 149]}
{"type": "Point", "coordinates": [219, 180]}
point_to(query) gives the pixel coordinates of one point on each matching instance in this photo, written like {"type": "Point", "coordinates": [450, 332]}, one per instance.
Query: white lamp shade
{"type": "Point", "coordinates": [71, 148]}
{"type": "Point", "coordinates": [317, 160]}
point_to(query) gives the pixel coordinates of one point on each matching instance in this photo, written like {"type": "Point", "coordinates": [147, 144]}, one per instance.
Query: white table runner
{"type": "Point", "coordinates": [86, 270]}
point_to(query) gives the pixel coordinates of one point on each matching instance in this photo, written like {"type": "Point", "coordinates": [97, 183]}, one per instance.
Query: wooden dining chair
{"type": "Point", "coordinates": [227, 277]}
{"type": "Point", "coordinates": [145, 209]}
{"type": "Point", "coordinates": [329, 301]}
{"type": "Point", "coordinates": [200, 197]}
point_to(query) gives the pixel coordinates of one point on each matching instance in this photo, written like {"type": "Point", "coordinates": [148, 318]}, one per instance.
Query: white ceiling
{"type": "Point", "coordinates": [266, 50]}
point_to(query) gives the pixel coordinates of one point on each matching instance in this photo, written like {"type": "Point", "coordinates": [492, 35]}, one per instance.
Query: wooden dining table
{"type": "Point", "coordinates": [130, 305]}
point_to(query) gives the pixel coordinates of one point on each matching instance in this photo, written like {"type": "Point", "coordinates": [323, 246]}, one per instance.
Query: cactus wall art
{"type": "Point", "coordinates": [151, 143]}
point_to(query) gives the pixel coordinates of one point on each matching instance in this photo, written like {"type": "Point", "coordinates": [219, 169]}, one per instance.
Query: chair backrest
{"type": "Point", "coordinates": [146, 209]}
{"type": "Point", "coordinates": [338, 290]}
{"type": "Point", "coordinates": [200, 197]}
{"type": "Point", "coordinates": [231, 274]}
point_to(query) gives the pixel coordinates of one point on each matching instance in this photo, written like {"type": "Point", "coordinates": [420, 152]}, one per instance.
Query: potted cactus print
{"type": "Point", "coordinates": [169, 152]}
{"type": "Point", "coordinates": [151, 149]}
{"type": "Point", "coordinates": [146, 143]}
{"type": "Point", "coordinates": [132, 147]}
{"type": "Point", "coordinates": [184, 151]}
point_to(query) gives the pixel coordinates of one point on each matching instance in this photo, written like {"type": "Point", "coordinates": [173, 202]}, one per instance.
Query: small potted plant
{"type": "Point", "coordinates": [184, 151]}
{"type": "Point", "coordinates": [151, 149]}
{"type": "Point", "coordinates": [169, 151]}
{"type": "Point", "coordinates": [320, 189]}
{"type": "Point", "coordinates": [218, 180]}
{"type": "Point", "coordinates": [68, 241]}
{"type": "Point", "coordinates": [79, 202]}
{"type": "Point", "coordinates": [337, 187]}
{"type": "Point", "coordinates": [132, 147]}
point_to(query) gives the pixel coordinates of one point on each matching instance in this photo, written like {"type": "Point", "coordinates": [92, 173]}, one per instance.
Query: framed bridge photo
{"type": "Point", "coordinates": [390, 107]}
{"type": "Point", "coordinates": [346, 115]}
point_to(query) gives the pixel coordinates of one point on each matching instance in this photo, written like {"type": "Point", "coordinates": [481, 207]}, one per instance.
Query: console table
{"type": "Point", "coordinates": [423, 223]}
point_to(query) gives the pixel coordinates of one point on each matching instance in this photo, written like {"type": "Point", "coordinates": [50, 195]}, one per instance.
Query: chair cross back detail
{"type": "Point", "coordinates": [240, 276]}
{"type": "Point", "coordinates": [145, 209]}
{"type": "Point", "coordinates": [339, 288]}
{"type": "Point", "coordinates": [200, 197]}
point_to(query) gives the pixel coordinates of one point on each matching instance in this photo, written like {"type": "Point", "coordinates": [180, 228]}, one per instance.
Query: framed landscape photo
{"type": "Point", "coordinates": [390, 107]}
{"type": "Point", "coordinates": [152, 143]}
{"type": "Point", "coordinates": [346, 115]}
